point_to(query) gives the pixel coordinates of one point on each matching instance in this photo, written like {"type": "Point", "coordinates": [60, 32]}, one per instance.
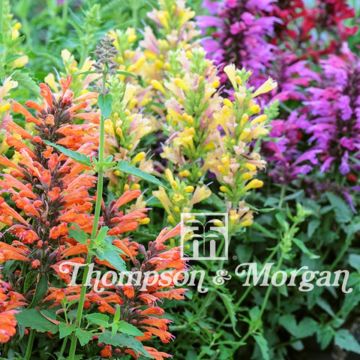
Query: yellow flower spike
{"type": "Point", "coordinates": [139, 157]}
{"type": "Point", "coordinates": [189, 189]}
{"type": "Point", "coordinates": [180, 83]}
{"type": "Point", "coordinates": [137, 65]}
{"type": "Point", "coordinates": [188, 118]}
{"type": "Point", "coordinates": [184, 173]}
{"type": "Point", "coordinates": [224, 189]}
{"type": "Point", "coordinates": [159, 64]}
{"type": "Point", "coordinates": [177, 209]}
{"type": "Point", "coordinates": [246, 176]}
{"type": "Point", "coordinates": [130, 32]}
{"type": "Point", "coordinates": [177, 198]}
{"type": "Point", "coordinates": [162, 196]}
{"type": "Point", "coordinates": [20, 61]}
{"type": "Point", "coordinates": [254, 108]}
{"type": "Point", "coordinates": [150, 55]}
{"type": "Point", "coordinates": [144, 221]}
{"type": "Point", "coordinates": [117, 172]}
{"type": "Point", "coordinates": [126, 187]}
{"type": "Point", "coordinates": [210, 146]}
{"type": "Point", "coordinates": [246, 223]}
{"type": "Point", "coordinates": [109, 127]}
{"type": "Point", "coordinates": [250, 166]}
{"type": "Point", "coordinates": [201, 193]}
{"type": "Point", "coordinates": [135, 187]}
{"type": "Point", "coordinates": [259, 119]}
{"type": "Point", "coordinates": [5, 107]}
{"type": "Point", "coordinates": [230, 71]}
{"type": "Point", "coordinates": [158, 86]}
{"type": "Point", "coordinates": [228, 103]}
{"type": "Point", "coordinates": [189, 54]}
{"type": "Point", "coordinates": [50, 80]}
{"type": "Point", "coordinates": [169, 176]}
{"type": "Point", "coordinates": [215, 84]}
{"type": "Point", "coordinates": [259, 132]}
{"type": "Point", "coordinates": [266, 87]}
{"type": "Point", "coordinates": [244, 120]}
{"type": "Point", "coordinates": [171, 219]}
{"type": "Point", "coordinates": [254, 184]}
{"type": "Point", "coordinates": [245, 135]}
{"type": "Point", "coordinates": [218, 223]}
{"type": "Point", "coordinates": [119, 132]}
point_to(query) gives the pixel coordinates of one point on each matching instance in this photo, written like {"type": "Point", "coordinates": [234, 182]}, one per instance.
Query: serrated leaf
{"type": "Point", "coordinates": [110, 253]}
{"type": "Point", "coordinates": [128, 329]}
{"type": "Point", "coordinates": [83, 336]}
{"type": "Point", "coordinates": [79, 235]}
{"type": "Point", "coordinates": [65, 329]}
{"type": "Point", "coordinates": [342, 211]}
{"type": "Point", "coordinates": [345, 340]}
{"type": "Point", "coordinates": [230, 308]}
{"type": "Point", "coordinates": [263, 346]}
{"type": "Point", "coordinates": [304, 249]}
{"type": "Point", "coordinates": [124, 341]}
{"type": "Point", "coordinates": [127, 168]}
{"type": "Point", "coordinates": [98, 319]}
{"type": "Point", "coordinates": [33, 319]}
{"type": "Point", "coordinates": [76, 156]}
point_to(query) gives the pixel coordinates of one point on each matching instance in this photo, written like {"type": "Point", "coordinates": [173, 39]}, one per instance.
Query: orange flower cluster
{"type": "Point", "coordinates": [9, 301]}
{"type": "Point", "coordinates": [41, 189]}
{"type": "Point", "coordinates": [43, 193]}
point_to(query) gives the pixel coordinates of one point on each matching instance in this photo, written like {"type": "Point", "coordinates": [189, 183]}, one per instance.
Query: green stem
{"type": "Point", "coordinates": [99, 196]}
{"type": "Point", "coordinates": [282, 196]}
{"type": "Point", "coordinates": [30, 345]}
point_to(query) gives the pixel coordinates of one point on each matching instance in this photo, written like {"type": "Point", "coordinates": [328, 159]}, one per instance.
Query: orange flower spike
{"type": "Point", "coordinates": [6, 209]}
{"type": "Point", "coordinates": [11, 182]}
{"type": "Point", "coordinates": [34, 105]}
{"type": "Point", "coordinates": [7, 325]}
{"type": "Point", "coordinates": [125, 198]}
{"type": "Point", "coordinates": [157, 355]}
{"type": "Point", "coordinates": [16, 129]}
{"type": "Point", "coordinates": [45, 92]}
{"type": "Point", "coordinates": [17, 108]}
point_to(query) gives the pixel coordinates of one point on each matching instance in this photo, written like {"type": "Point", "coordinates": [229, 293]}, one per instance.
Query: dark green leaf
{"type": "Point", "coordinates": [345, 340]}
{"type": "Point", "coordinates": [80, 158]}
{"type": "Point", "coordinates": [98, 319]}
{"type": "Point", "coordinates": [127, 168]}
{"type": "Point", "coordinates": [33, 319]}
{"type": "Point", "coordinates": [128, 329]}
{"type": "Point", "coordinates": [79, 235]}
{"type": "Point", "coordinates": [41, 290]}
{"type": "Point", "coordinates": [83, 336]}
{"type": "Point", "coordinates": [342, 211]}
{"type": "Point", "coordinates": [263, 345]}
{"type": "Point", "coordinates": [110, 253]}
{"type": "Point", "coordinates": [65, 329]}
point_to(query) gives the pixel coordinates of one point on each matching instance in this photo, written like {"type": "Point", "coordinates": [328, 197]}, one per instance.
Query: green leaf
{"type": "Point", "coordinates": [304, 249]}
{"type": "Point", "coordinates": [79, 235]}
{"type": "Point", "coordinates": [123, 340]}
{"type": "Point", "coordinates": [127, 168]}
{"type": "Point", "coordinates": [305, 328]}
{"type": "Point", "coordinates": [343, 213]}
{"type": "Point", "coordinates": [105, 105]}
{"type": "Point", "coordinates": [128, 329]}
{"type": "Point", "coordinates": [230, 308]}
{"type": "Point", "coordinates": [110, 253]}
{"type": "Point", "coordinates": [78, 157]}
{"type": "Point", "coordinates": [263, 345]}
{"type": "Point", "coordinates": [345, 340]}
{"type": "Point", "coordinates": [354, 261]}
{"type": "Point", "coordinates": [98, 319]}
{"type": "Point", "coordinates": [33, 319]}
{"type": "Point", "coordinates": [83, 336]}
{"type": "Point", "coordinates": [65, 329]}
{"type": "Point", "coordinates": [41, 290]}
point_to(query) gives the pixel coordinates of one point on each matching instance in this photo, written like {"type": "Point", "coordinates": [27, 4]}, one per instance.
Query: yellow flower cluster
{"type": "Point", "coordinates": [180, 198]}
{"type": "Point", "coordinates": [4, 110]}
{"type": "Point", "coordinates": [11, 57]}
